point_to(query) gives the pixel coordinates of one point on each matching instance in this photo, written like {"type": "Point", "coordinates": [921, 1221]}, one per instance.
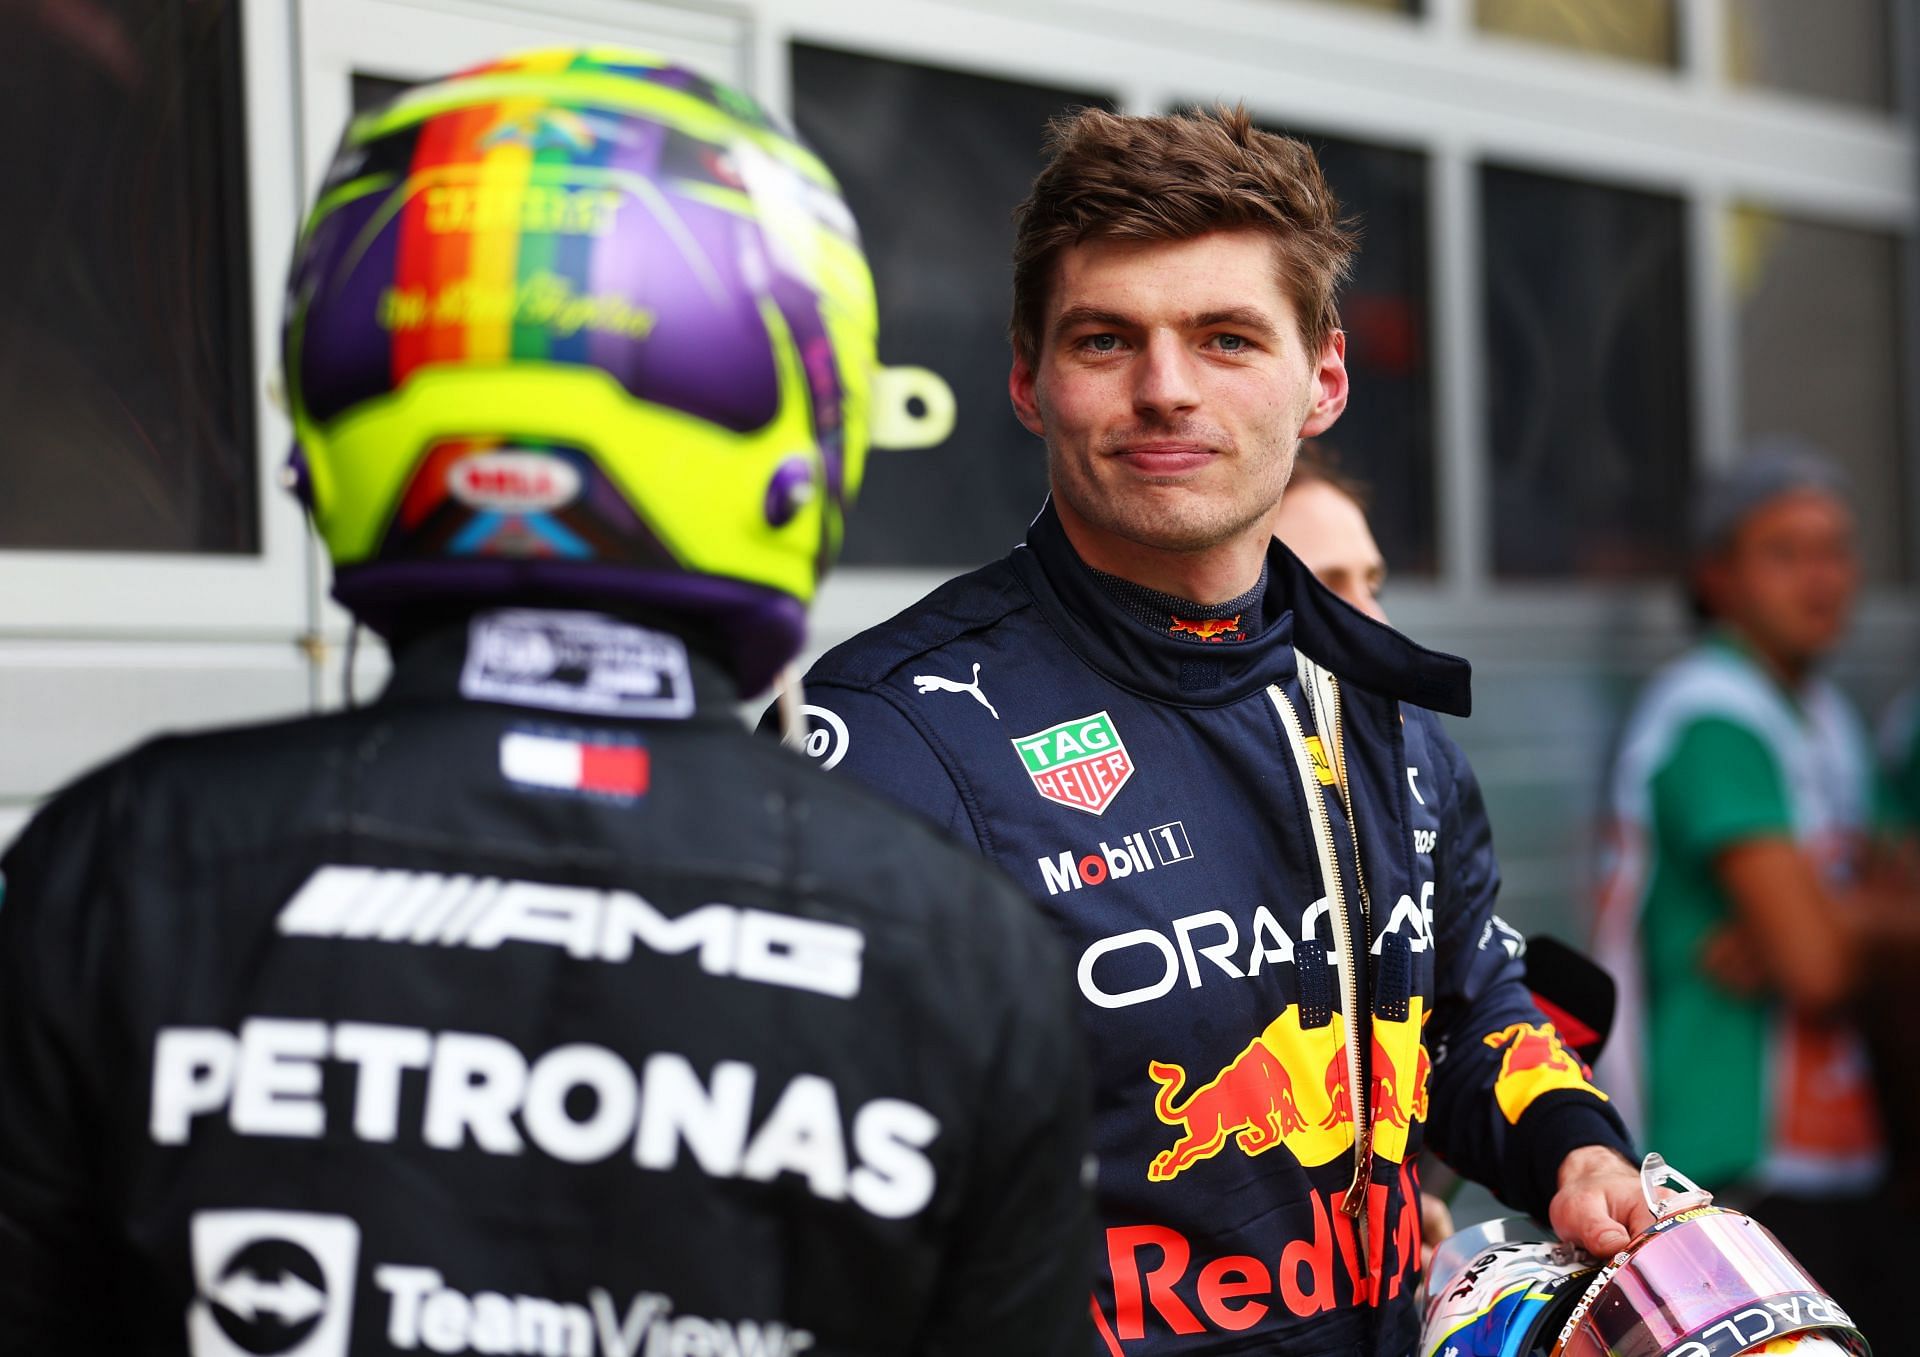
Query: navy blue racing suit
{"type": "Point", "coordinates": [1188, 814]}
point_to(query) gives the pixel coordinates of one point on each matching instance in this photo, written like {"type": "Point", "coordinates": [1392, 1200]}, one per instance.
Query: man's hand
{"type": "Point", "coordinates": [1598, 1204]}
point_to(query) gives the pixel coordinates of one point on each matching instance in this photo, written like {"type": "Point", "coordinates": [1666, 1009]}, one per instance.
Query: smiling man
{"type": "Point", "coordinates": [1278, 894]}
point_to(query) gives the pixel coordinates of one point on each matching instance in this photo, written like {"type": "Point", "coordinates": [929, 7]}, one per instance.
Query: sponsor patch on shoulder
{"type": "Point", "coordinates": [591, 765]}
{"type": "Point", "coordinates": [578, 662]}
{"type": "Point", "coordinates": [826, 740]}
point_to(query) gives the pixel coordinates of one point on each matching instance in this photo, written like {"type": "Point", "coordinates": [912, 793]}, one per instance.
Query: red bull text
{"type": "Point", "coordinates": [1158, 1282]}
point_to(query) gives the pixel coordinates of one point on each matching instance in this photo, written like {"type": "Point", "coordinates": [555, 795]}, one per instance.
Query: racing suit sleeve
{"type": "Point", "coordinates": [1021, 1266]}
{"type": "Point", "coordinates": [1510, 1101]}
{"type": "Point", "coordinates": [859, 733]}
{"type": "Point", "coordinates": [53, 1267]}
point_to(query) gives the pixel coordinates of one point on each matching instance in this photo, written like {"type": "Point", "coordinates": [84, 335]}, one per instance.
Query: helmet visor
{"type": "Point", "coordinates": [1706, 1283]}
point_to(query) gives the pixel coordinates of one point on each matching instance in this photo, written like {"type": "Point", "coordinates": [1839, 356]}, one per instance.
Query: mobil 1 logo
{"type": "Point", "coordinates": [272, 1284]}
{"type": "Point", "coordinates": [1143, 851]}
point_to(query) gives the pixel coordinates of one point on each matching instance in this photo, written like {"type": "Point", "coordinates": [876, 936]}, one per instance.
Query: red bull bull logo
{"type": "Point", "coordinates": [1290, 1086]}
{"type": "Point", "coordinates": [1387, 1110]}
{"type": "Point", "coordinates": [1339, 1099]}
{"type": "Point", "coordinates": [1534, 1063]}
{"type": "Point", "coordinates": [1251, 1100]}
{"type": "Point", "coordinates": [1211, 629]}
{"type": "Point", "coordinates": [1398, 1090]}
{"type": "Point", "coordinates": [1256, 1100]}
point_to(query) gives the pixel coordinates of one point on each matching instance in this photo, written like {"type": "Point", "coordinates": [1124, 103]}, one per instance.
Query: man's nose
{"type": "Point", "coordinates": [1165, 380]}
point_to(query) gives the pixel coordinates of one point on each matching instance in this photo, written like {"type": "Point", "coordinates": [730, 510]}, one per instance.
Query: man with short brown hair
{"type": "Point", "coordinates": [1279, 895]}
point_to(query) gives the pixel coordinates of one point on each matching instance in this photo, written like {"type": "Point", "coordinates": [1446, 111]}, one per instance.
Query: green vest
{"type": "Point", "coordinates": [1729, 1087]}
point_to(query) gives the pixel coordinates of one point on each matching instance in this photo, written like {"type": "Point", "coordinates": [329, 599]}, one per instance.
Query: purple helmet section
{"type": "Point", "coordinates": [708, 353]}
{"type": "Point", "coordinates": [346, 356]}
{"type": "Point", "coordinates": [681, 260]}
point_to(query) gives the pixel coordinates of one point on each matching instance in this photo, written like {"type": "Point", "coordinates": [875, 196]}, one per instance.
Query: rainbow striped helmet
{"type": "Point", "coordinates": [582, 326]}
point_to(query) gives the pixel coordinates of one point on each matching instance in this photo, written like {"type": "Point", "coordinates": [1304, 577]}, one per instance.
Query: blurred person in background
{"type": "Point", "coordinates": [1740, 914]}
{"type": "Point", "coordinates": [538, 1007]}
{"type": "Point", "coordinates": [1271, 870]}
{"type": "Point", "coordinates": [1322, 519]}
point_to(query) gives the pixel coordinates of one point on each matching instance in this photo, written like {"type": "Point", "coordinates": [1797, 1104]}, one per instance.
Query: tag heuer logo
{"type": "Point", "coordinates": [1079, 763]}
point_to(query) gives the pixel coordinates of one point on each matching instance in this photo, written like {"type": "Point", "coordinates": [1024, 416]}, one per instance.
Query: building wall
{"type": "Point", "coordinates": [1604, 242]}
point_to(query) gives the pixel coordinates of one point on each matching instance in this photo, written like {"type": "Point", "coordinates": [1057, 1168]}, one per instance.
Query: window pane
{"type": "Point", "coordinates": [1820, 357]}
{"type": "Point", "coordinates": [1587, 388]}
{"type": "Point", "coordinates": [933, 162]}
{"type": "Point", "coordinates": [1385, 436]}
{"type": "Point", "coordinates": [126, 363]}
{"type": "Point", "coordinates": [1636, 30]}
{"type": "Point", "coordinates": [1835, 49]}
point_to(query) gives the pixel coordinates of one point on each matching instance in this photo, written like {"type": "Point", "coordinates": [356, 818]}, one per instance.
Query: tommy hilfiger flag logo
{"type": "Point", "coordinates": [557, 763]}
{"type": "Point", "coordinates": [1080, 763]}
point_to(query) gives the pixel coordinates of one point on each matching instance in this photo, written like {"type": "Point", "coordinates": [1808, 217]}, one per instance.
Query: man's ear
{"type": "Point", "coordinates": [1026, 403]}
{"type": "Point", "coordinates": [1330, 386]}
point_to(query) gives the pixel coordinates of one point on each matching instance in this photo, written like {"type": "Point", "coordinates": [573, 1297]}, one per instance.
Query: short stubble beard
{"type": "Point", "coordinates": [1135, 520]}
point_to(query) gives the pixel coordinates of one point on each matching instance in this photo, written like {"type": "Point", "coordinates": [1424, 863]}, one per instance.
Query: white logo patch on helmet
{"type": "Point", "coordinates": [513, 481]}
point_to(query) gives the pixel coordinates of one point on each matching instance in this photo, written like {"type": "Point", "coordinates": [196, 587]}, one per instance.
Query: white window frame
{"type": "Point", "coordinates": [139, 594]}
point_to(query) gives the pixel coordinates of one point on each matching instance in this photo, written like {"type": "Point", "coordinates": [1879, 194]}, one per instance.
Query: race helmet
{"type": "Point", "coordinates": [1702, 1281]}
{"type": "Point", "coordinates": [582, 326]}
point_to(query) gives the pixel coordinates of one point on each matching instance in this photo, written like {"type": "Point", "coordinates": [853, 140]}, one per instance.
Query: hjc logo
{"type": "Point", "coordinates": [272, 1284]}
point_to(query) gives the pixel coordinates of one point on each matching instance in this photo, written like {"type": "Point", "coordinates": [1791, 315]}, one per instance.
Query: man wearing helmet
{"type": "Point", "coordinates": [1277, 892]}
{"type": "Point", "coordinates": [538, 1008]}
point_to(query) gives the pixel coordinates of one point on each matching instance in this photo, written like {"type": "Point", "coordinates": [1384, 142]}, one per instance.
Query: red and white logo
{"type": "Point", "coordinates": [1160, 846]}
{"type": "Point", "coordinates": [557, 763]}
{"type": "Point", "coordinates": [509, 482]}
{"type": "Point", "coordinates": [1080, 763]}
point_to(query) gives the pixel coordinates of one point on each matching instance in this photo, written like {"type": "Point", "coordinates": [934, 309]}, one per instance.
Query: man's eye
{"type": "Point", "coordinates": [1101, 343]}
{"type": "Point", "coordinates": [1231, 343]}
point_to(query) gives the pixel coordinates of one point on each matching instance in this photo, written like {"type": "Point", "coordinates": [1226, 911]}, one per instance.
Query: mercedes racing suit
{"type": "Point", "coordinates": [1187, 813]}
{"type": "Point", "coordinates": [536, 1008]}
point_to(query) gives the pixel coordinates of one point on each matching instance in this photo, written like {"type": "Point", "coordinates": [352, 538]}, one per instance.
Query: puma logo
{"type": "Point", "coordinates": [933, 683]}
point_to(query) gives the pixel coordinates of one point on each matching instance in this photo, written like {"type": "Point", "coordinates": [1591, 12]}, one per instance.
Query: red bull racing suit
{"type": "Point", "coordinates": [537, 1008]}
{"type": "Point", "coordinates": [1279, 1018]}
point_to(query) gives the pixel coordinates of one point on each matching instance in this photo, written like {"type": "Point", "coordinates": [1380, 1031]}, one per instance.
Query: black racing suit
{"type": "Point", "coordinates": [535, 1008]}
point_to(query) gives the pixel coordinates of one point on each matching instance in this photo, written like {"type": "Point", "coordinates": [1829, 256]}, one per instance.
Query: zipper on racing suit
{"type": "Point", "coordinates": [1322, 691]}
